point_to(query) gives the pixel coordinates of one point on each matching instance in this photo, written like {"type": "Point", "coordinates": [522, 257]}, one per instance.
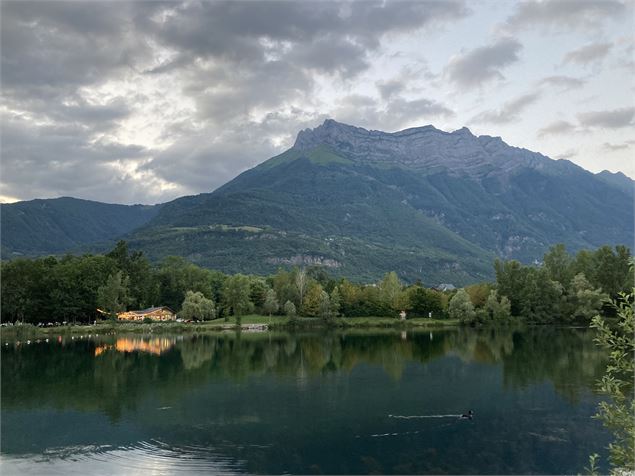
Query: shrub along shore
{"type": "Point", "coordinates": [250, 323]}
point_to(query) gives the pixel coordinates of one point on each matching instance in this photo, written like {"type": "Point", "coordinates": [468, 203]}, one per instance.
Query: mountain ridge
{"type": "Point", "coordinates": [49, 226]}
{"type": "Point", "coordinates": [459, 152]}
{"type": "Point", "coordinates": [434, 205]}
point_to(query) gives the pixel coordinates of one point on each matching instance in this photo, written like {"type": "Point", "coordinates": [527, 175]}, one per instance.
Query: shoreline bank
{"type": "Point", "coordinates": [248, 324]}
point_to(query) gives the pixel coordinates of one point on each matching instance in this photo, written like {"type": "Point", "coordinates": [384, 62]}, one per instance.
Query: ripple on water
{"type": "Point", "coordinates": [145, 457]}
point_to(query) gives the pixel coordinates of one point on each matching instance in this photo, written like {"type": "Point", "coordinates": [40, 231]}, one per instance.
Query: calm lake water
{"type": "Point", "coordinates": [311, 403]}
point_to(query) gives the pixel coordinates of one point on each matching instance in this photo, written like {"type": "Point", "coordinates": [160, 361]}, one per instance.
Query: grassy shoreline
{"type": "Point", "coordinates": [248, 323]}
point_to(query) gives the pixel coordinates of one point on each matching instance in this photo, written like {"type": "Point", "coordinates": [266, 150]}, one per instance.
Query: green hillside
{"type": "Point", "coordinates": [432, 205]}
{"type": "Point", "coordinates": [41, 227]}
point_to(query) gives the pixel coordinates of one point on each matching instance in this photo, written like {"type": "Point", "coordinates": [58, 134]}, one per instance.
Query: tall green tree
{"type": "Point", "coordinates": [301, 283]}
{"type": "Point", "coordinates": [390, 286]}
{"type": "Point", "coordinates": [559, 265]}
{"type": "Point", "coordinates": [324, 309]}
{"type": "Point", "coordinates": [497, 310]}
{"type": "Point", "coordinates": [612, 273]}
{"type": "Point", "coordinates": [283, 283]}
{"type": "Point", "coordinates": [143, 286]}
{"type": "Point", "coordinates": [424, 301]}
{"type": "Point", "coordinates": [236, 295]}
{"type": "Point", "coordinates": [312, 299]}
{"type": "Point", "coordinates": [197, 307]}
{"type": "Point", "coordinates": [541, 299]}
{"type": "Point", "coordinates": [290, 311]}
{"type": "Point", "coordinates": [258, 292]}
{"type": "Point", "coordinates": [335, 302]}
{"type": "Point", "coordinates": [349, 298]}
{"type": "Point", "coordinates": [270, 305]}
{"type": "Point", "coordinates": [112, 297]}
{"type": "Point", "coordinates": [510, 281]}
{"type": "Point", "coordinates": [176, 276]}
{"type": "Point", "coordinates": [584, 301]}
{"type": "Point", "coordinates": [461, 307]}
{"type": "Point", "coordinates": [479, 293]}
{"type": "Point", "coordinates": [24, 288]}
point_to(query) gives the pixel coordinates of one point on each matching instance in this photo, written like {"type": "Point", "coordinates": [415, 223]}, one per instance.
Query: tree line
{"type": "Point", "coordinates": [72, 288]}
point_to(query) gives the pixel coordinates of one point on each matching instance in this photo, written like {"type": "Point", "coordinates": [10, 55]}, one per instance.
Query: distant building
{"type": "Point", "coordinates": [162, 313]}
{"type": "Point", "coordinates": [446, 287]}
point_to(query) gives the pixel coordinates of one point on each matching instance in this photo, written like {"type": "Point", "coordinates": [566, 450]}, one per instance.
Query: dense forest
{"type": "Point", "coordinates": [565, 288]}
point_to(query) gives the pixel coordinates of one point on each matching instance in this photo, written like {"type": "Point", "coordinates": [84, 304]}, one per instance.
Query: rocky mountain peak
{"type": "Point", "coordinates": [329, 132]}
{"type": "Point", "coordinates": [424, 147]}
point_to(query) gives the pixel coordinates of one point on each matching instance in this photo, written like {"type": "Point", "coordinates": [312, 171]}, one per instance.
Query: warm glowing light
{"type": "Point", "coordinates": [155, 346]}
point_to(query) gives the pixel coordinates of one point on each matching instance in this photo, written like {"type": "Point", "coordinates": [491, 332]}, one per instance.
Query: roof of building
{"type": "Point", "coordinates": [152, 309]}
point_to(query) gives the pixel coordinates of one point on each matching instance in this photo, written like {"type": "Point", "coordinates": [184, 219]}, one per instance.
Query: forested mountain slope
{"type": "Point", "coordinates": [432, 205]}
{"type": "Point", "coordinates": [40, 227]}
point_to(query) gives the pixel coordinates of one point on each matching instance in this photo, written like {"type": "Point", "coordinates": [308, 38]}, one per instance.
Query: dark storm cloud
{"type": "Point", "coordinates": [561, 14]}
{"type": "Point", "coordinates": [610, 119]}
{"type": "Point", "coordinates": [509, 112]}
{"type": "Point", "coordinates": [235, 60]}
{"type": "Point", "coordinates": [273, 49]}
{"type": "Point", "coordinates": [51, 48]}
{"type": "Point", "coordinates": [235, 29]}
{"type": "Point", "coordinates": [474, 67]}
{"type": "Point", "coordinates": [332, 55]}
{"type": "Point", "coordinates": [588, 53]}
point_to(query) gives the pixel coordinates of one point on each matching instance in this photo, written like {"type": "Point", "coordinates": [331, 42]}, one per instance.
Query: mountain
{"type": "Point", "coordinates": [52, 226]}
{"type": "Point", "coordinates": [432, 205]}
{"type": "Point", "coordinates": [617, 179]}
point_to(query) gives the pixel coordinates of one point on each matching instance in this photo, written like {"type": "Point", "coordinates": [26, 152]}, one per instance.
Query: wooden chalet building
{"type": "Point", "coordinates": [162, 313]}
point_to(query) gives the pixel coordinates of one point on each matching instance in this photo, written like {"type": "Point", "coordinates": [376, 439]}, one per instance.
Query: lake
{"type": "Point", "coordinates": [355, 402]}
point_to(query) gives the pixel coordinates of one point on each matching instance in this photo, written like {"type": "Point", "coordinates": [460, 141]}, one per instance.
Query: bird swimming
{"type": "Point", "coordinates": [467, 416]}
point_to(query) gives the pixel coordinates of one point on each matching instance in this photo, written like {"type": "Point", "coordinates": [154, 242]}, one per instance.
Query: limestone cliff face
{"type": "Point", "coordinates": [426, 148]}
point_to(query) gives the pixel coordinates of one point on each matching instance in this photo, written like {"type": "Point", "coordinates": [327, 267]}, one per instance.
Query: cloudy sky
{"type": "Point", "coordinates": [143, 102]}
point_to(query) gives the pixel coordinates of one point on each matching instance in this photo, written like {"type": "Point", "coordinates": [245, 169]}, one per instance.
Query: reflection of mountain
{"type": "Point", "coordinates": [156, 345]}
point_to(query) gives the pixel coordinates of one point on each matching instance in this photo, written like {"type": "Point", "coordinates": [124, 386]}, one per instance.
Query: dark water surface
{"type": "Point", "coordinates": [332, 403]}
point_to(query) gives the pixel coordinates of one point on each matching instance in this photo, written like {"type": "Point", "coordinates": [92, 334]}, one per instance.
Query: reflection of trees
{"type": "Point", "coordinates": [489, 345]}
{"type": "Point", "coordinates": [196, 351]}
{"type": "Point", "coordinates": [73, 377]}
{"type": "Point", "coordinates": [566, 357]}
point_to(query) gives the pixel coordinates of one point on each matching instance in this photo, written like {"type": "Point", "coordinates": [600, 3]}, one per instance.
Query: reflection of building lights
{"type": "Point", "coordinates": [155, 346]}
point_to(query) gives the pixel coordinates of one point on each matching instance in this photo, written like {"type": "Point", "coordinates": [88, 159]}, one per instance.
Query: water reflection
{"type": "Point", "coordinates": [156, 345]}
{"type": "Point", "coordinates": [308, 402]}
